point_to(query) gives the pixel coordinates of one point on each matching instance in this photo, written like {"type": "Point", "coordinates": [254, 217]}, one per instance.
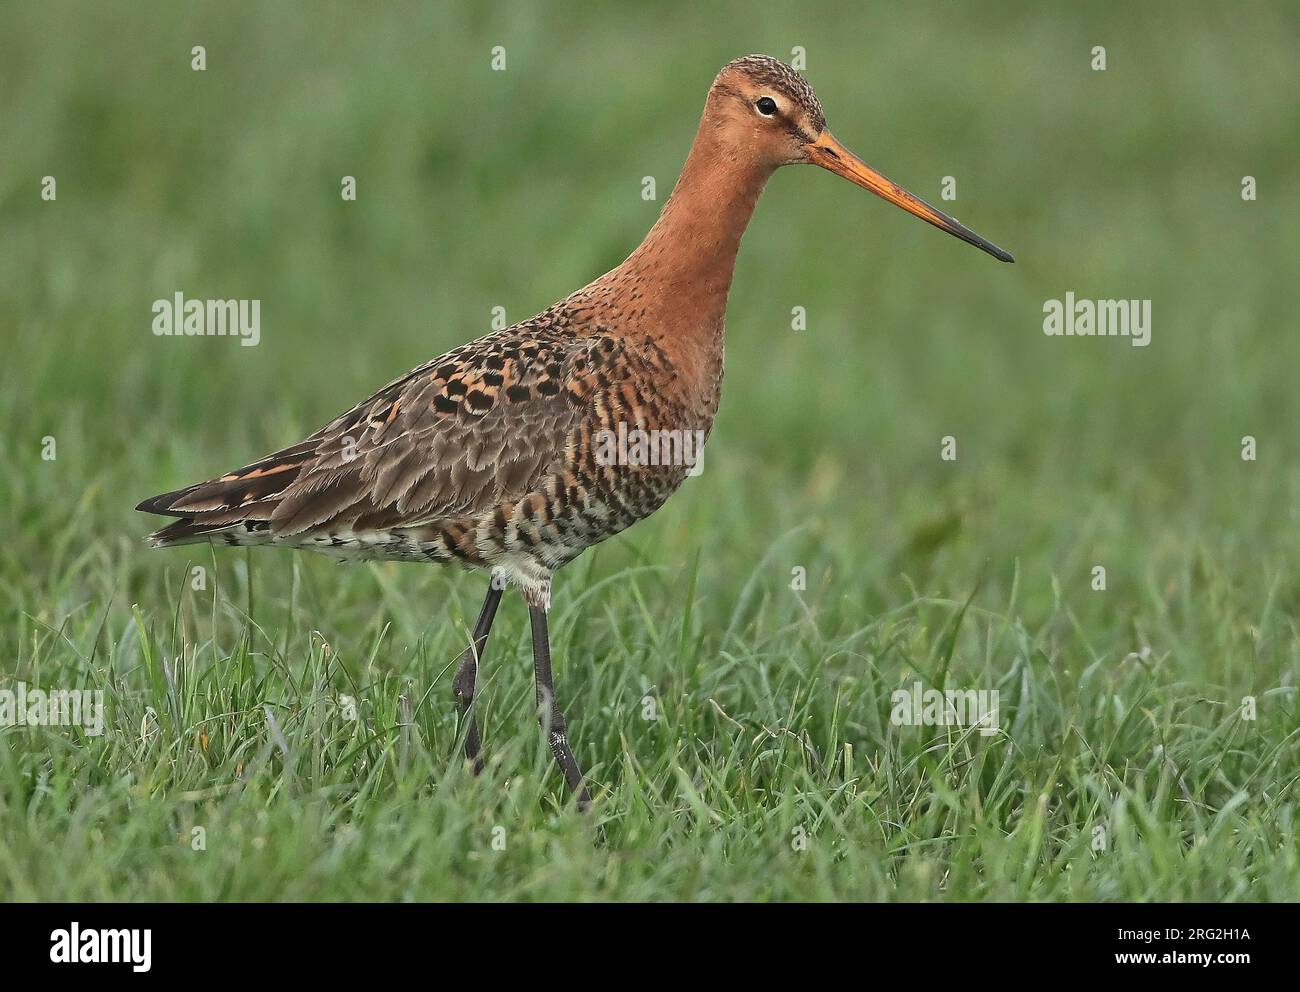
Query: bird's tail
{"type": "Point", "coordinates": [235, 508]}
{"type": "Point", "coordinates": [188, 530]}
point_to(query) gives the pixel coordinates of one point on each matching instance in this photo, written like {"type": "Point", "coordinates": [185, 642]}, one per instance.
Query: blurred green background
{"type": "Point", "coordinates": [479, 189]}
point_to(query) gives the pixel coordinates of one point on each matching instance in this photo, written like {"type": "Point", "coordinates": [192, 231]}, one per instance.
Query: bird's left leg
{"type": "Point", "coordinates": [552, 719]}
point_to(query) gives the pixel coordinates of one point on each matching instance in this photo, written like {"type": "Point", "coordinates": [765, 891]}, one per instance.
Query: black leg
{"type": "Point", "coordinates": [467, 672]}
{"type": "Point", "coordinates": [551, 718]}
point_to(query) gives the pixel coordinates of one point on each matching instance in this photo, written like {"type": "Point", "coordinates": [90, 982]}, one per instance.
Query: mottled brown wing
{"type": "Point", "coordinates": [483, 423]}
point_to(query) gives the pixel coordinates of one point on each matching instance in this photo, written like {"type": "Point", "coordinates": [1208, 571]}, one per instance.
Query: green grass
{"type": "Point", "coordinates": [1120, 709]}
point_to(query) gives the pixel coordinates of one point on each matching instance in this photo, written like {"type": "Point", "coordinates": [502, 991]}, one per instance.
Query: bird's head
{"type": "Point", "coordinates": [762, 109]}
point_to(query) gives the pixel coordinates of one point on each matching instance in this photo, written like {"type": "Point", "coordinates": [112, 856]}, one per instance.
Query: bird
{"type": "Point", "coordinates": [516, 452]}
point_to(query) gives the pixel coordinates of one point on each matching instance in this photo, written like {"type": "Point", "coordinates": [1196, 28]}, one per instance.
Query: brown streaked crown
{"type": "Point", "coordinates": [774, 74]}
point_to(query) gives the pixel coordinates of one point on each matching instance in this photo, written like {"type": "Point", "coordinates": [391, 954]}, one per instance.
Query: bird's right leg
{"type": "Point", "coordinates": [552, 720]}
{"type": "Point", "coordinates": [467, 672]}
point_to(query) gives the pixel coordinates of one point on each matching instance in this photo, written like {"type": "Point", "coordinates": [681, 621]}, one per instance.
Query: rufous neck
{"type": "Point", "coordinates": [689, 254]}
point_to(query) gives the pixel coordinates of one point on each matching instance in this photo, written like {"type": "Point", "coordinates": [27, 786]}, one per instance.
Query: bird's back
{"type": "Point", "coordinates": [517, 450]}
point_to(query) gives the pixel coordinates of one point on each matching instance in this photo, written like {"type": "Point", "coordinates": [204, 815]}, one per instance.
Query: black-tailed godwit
{"type": "Point", "coordinates": [497, 455]}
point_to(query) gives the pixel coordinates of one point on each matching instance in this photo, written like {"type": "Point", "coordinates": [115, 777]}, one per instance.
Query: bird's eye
{"type": "Point", "coordinates": [765, 106]}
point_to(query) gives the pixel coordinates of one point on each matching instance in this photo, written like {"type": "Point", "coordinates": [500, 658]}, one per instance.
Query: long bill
{"type": "Point", "coordinates": [827, 152]}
